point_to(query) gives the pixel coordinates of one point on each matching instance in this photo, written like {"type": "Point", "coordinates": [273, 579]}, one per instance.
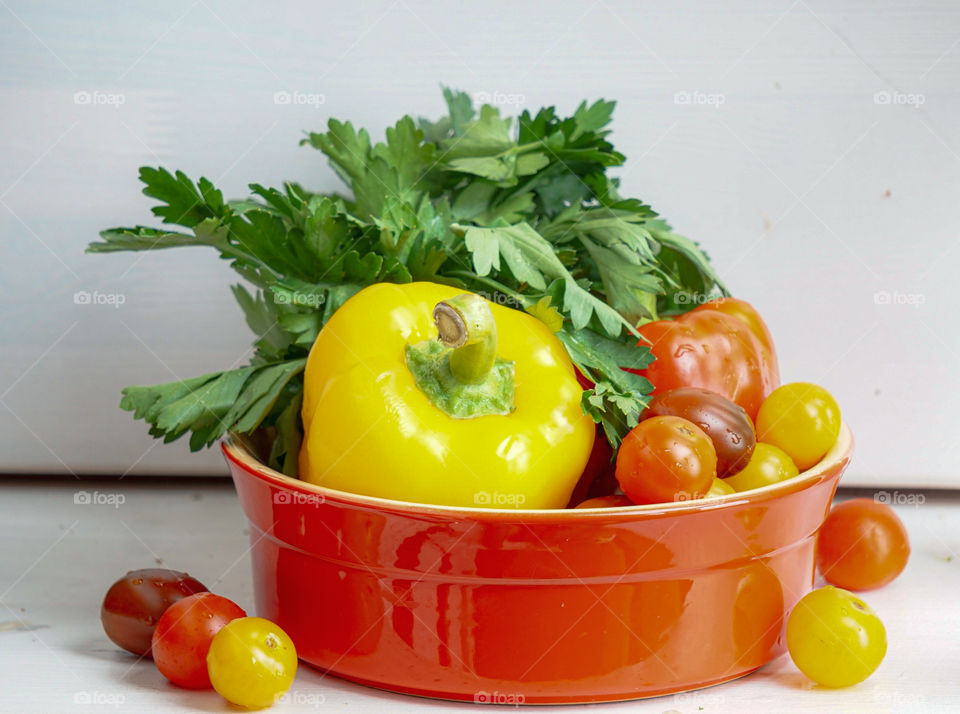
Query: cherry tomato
{"type": "Point", "coordinates": [133, 605]}
{"type": "Point", "coordinates": [767, 465]}
{"type": "Point", "coordinates": [727, 424]}
{"type": "Point", "coordinates": [183, 635]}
{"type": "Point", "coordinates": [862, 545]}
{"type": "Point", "coordinates": [718, 488]}
{"type": "Point", "coordinates": [597, 477]}
{"type": "Point", "coordinates": [251, 662]}
{"type": "Point", "coordinates": [835, 638]}
{"type": "Point", "coordinates": [802, 419]}
{"type": "Point", "coordinates": [666, 458]}
{"type": "Point", "coordinates": [613, 501]}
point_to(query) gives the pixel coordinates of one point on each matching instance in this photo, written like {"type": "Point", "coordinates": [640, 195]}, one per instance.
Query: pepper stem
{"type": "Point", "coordinates": [465, 323]}
{"type": "Point", "coordinates": [460, 372]}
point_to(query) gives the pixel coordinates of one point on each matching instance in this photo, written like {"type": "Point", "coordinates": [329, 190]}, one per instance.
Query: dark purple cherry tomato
{"type": "Point", "coordinates": [727, 424]}
{"type": "Point", "coordinates": [135, 602]}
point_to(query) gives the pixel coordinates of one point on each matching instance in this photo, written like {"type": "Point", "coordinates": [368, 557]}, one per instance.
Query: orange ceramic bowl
{"type": "Point", "coordinates": [533, 607]}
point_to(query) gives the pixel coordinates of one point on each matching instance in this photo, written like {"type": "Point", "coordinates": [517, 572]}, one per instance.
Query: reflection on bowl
{"type": "Point", "coordinates": [533, 607]}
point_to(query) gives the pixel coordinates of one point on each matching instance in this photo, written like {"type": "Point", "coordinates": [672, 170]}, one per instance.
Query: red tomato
{"type": "Point", "coordinates": [711, 349]}
{"type": "Point", "coordinates": [183, 635]}
{"type": "Point", "coordinates": [613, 501]}
{"type": "Point", "coordinates": [744, 311]}
{"type": "Point", "coordinates": [666, 458]}
{"type": "Point", "coordinates": [597, 477]}
{"type": "Point", "coordinates": [862, 545]}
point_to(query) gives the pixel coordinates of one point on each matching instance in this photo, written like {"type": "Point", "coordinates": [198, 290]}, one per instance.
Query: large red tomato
{"type": "Point", "coordinates": [722, 346]}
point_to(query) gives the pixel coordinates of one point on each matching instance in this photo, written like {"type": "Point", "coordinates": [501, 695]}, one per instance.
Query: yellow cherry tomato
{"type": "Point", "coordinates": [720, 487]}
{"type": "Point", "coordinates": [251, 662]}
{"type": "Point", "coordinates": [802, 419]}
{"type": "Point", "coordinates": [835, 638]}
{"type": "Point", "coordinates": [767, 465]}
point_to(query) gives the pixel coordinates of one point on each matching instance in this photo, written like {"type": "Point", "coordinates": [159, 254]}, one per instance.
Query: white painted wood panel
{"type": "Point", "coordinates": [818, 160]}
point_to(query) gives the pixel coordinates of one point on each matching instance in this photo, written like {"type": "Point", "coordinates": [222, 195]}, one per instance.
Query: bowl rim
{"type": "Point", "coordinates": [237, 452]}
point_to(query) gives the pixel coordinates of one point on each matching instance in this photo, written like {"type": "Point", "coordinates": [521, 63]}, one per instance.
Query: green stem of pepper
{"type": "Point", "coordinates": [465, 323]}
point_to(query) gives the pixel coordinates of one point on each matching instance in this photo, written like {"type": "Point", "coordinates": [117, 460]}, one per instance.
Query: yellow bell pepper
{"type": "Point", "coordinates": [422, 393]}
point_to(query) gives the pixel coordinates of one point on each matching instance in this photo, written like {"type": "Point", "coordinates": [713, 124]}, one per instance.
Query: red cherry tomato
{"type": "Point", "coordinates": [666, 458]}
{"type": "Point", "coordinates": [183, 635]}
{"type": "Point", "coordinates": [726, 423]}
{"type": "Point", "coordinates": [862, 545]}
{"type": "Point", "coordinates": [134, 604]}
{"type": "Point", "coordinates": [613, 501]}
{"type": "Point", "coordinates": [597, 477]}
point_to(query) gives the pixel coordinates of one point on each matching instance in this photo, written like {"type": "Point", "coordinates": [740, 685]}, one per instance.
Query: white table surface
{"type": "Point", "coordinates": [58, 557]}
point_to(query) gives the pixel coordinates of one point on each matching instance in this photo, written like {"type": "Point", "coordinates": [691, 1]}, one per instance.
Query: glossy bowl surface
{"type": "Point", "coordinates": [533, 607]}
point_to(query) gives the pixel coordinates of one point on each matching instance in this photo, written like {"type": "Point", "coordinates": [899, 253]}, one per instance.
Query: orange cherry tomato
{"type": "Point", "coordinates": [862, 545]}
{"type": "Point", "coordinates": [666, 458]}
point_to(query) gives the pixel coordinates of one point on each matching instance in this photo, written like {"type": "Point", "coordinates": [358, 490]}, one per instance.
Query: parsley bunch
{"type": "Point", "coordinates": [523, 212]}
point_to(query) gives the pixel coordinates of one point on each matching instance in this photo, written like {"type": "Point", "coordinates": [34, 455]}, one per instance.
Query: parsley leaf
{"type": "Point", "coordinates": [524, 209]}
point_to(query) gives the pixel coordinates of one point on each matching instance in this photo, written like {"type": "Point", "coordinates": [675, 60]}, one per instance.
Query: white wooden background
{"type": "Point", "coordinates": [811, 145]}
